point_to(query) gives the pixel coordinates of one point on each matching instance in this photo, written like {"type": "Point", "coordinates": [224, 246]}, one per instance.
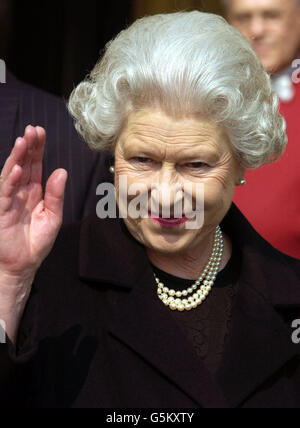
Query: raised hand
{"type": "Point", "coordinates": [29, 222]}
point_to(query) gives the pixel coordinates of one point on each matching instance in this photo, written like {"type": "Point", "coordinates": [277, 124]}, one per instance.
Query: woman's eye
{"type": "Point", "coordinates": [142, 160]}
{"type": "Point", "coordinates": [196, 165]}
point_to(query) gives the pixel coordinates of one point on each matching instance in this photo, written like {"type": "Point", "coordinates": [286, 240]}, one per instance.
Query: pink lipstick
{"type": "Point", "coordinates": [169, 223]}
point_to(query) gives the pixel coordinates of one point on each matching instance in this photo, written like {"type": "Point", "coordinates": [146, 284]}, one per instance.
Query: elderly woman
{"type": "Point", "coordinates": [148, 311]}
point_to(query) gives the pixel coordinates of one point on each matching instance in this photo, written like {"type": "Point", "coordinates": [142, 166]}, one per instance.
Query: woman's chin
{"type": "Point", "coordinates": [166, 240]}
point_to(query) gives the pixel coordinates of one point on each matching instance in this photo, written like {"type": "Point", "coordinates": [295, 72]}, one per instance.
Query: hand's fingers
{"type": "Point", "coordinates": [27, 150]}
{"type": "Point", "coordinates": [37, 158]}
{"type": "Point", "coordinates": [17, 156]}
{"type": "Point", "coordinates": [8, 187]}
{"type": "Point", "coordinates": [31, 138]}
{"type": "Point", "coordinates": [55, 190]}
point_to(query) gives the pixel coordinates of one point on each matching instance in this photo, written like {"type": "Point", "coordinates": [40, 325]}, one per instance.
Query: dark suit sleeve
{"type": "Point", "coordinates": [22, 105]}
{"type": "Point", "coordinates": [29, 370]}
{"type": "Point", "coordinates": [18, 380]}
{"type": "Point", "coordinates": [6, 370]}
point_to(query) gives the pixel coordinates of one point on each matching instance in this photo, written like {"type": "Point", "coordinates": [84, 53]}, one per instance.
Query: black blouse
{"type": "Point", "coordinates": [208, 325]}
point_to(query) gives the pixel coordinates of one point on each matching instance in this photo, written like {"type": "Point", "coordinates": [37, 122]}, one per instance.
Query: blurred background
{"type": "Point", "coordinates": [54, 44]}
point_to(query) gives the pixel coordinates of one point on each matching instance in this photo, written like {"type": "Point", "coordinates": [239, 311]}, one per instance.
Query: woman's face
{"type": "Point", "coordinates": [159, 151]}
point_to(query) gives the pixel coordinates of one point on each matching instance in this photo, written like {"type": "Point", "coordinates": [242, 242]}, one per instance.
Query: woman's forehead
{"type": "Point", "coordinates": [155, 130]}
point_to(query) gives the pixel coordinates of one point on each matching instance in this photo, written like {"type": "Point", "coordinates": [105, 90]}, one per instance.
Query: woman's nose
{"type": "Point", "coordinates": [167, 174]}
{"type": "Point", "coordinates": [167, 192]}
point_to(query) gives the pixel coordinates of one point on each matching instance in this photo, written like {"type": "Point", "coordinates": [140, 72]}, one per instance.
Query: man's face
{"type": "Point", "coordinates": [272, 27]}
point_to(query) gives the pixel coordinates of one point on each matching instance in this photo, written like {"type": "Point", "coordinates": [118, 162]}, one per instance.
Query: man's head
{"type": "Point", "coordinates": [272, 27]}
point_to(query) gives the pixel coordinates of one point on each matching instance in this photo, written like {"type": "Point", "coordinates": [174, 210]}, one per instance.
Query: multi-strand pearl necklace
{"type": "Point", "coordinates": [196, 294]}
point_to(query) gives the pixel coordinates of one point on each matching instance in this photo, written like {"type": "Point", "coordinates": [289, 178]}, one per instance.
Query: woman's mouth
{"type": "Point", "coordinates": [169, 223]}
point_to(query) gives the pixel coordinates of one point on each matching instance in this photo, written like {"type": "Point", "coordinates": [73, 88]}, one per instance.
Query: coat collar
{"type": "Point", "coordinates": [103, 241]}
{"type": "Point", "coordinates": [259, 343]}
{"type": "Point", "coordinates": [263, 267]}
{"type": "Point", "coordinates": [11, 79]}
{"type": "Point", "coordinates": [272, 274]}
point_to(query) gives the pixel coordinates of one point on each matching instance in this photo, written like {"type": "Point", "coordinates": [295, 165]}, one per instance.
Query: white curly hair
{"type": "Point", "coordinates": [183, 63]}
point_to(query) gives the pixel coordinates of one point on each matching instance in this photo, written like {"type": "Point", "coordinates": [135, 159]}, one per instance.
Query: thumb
{"type": "Point", "coordinates": [55, 191]}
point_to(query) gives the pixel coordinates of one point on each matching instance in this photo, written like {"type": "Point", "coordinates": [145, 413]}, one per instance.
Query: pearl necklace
{"type": "Point", "coordinates": [179, 300]}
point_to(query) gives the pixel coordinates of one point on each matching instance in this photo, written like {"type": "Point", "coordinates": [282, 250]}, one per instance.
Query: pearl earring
{"type": "Point", "coordinates": [243, 182]}
{"type": "Point", "coordinates": [112, 169]}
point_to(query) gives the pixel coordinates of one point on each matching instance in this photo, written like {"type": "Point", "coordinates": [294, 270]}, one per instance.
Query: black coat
{"type": "Point", "coordinates": [22, 105]}
{"type": "Point", "coordinates": [94, 333]}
